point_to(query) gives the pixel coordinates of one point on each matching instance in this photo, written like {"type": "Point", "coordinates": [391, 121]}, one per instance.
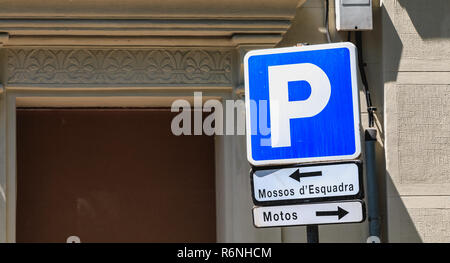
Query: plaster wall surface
{"type": "Point", "coordinates": [416, 76]}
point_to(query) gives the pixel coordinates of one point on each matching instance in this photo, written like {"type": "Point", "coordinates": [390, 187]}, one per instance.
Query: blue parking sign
{"type": "Point", "coordinates": [302, 104]}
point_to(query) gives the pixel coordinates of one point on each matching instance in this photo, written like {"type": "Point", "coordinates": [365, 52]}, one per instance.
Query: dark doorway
{"type": "Point", "coordinates": [112, 175]}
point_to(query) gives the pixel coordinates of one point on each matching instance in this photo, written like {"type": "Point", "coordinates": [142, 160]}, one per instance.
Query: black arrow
{"type": "Point", "coordinates": [297, 175]}
{"type": "Point", "coordinates": [340, 213]}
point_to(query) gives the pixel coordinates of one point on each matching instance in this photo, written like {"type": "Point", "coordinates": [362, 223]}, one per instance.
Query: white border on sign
{"type": "Point", "coordinates": [356, 111]}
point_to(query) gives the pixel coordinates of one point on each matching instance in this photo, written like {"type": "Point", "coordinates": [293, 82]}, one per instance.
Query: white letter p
{"type": "Point", "coordinates": [282, 110]}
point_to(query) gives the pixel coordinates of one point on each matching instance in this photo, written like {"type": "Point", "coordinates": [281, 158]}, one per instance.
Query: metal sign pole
{"type": "Point", "coordinates": [312, 233]}
{"type": "Point", "coordinates": [372, 186]}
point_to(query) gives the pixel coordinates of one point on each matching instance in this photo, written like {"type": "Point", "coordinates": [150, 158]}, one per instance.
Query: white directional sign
{"type": "Point", "coordinates": [309, 214]}
{"type": "Point", "coordinates": [305, 183]}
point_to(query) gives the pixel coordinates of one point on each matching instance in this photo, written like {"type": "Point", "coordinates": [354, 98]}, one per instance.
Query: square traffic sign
{"type": "Point", "coordinates": [302, 104]}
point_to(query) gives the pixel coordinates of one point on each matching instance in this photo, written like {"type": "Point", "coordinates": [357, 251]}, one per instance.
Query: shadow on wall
{"type": "Point", "coordinates": [401, 226]}
{"type": "Point", "coordinates": [429, 20]}
{"type": "Point", "coordinates": [308, 25]}
{"type": "Point", "coordinates": [391, 39]}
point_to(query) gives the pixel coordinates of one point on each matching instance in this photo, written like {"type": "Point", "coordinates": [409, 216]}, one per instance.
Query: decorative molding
{"type": "Point", "coordinates": [118, 66]}
{"type": "Point", "coordinates": [144, 9]}
{"type": "Point", "coordinates": [143, 18]}
{"type": "Point", "coordinates": [123, 42]}
{"type": "Point", "coordinates": [142, 27]}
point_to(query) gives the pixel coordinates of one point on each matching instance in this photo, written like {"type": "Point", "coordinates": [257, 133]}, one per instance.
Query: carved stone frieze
{"type": "Point", "coordinates": [119, 66]}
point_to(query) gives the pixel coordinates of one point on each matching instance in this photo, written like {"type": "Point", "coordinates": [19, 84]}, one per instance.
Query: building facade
{"type": "Point", "coordinates": [113, 66]}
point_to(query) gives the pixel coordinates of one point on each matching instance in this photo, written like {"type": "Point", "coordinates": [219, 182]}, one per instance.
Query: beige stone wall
{"type": "Point", "coordinates": [416, 69]}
